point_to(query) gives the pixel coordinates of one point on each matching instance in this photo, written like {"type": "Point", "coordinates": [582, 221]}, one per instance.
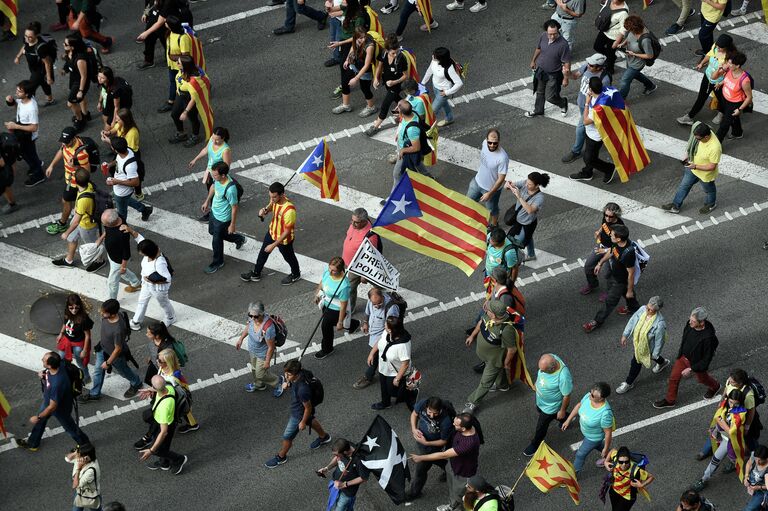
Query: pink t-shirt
{"type": "Point", "coordinates": [353, 240]}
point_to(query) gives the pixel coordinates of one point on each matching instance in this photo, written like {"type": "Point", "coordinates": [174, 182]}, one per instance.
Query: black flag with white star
{"type": "Point", "coordinates": [381, 452]}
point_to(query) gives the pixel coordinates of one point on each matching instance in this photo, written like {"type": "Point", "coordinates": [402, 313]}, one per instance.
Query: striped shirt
{"type": "Point", "coordinates": [69, 165]}
{"type": "Point", "coordinates": [622, 478]}
{"type": "Point", "coordinates": [283, 218]}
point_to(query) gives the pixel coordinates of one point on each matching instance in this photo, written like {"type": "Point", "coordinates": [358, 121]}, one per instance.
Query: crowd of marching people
{"type": "Point", "coordinates": [370, 59]}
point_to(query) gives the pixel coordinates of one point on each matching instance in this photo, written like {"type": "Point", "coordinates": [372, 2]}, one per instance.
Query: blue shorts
{"type": "Point", "coordinates": [292, 428]}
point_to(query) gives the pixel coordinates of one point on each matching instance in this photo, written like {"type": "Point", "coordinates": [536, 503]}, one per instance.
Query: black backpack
{"type": "Point", "coordinates": [758, 390]}
{"type": "Point", "coordinates": [127, 100]}
{"type": "Point", "coordinates": [182, 402]}
{"type": "Point", "coordinates": [51, 47]}
{"type": "Point", "coordinates": [423, 138]}
{"type": "Point", "coordinates": [379, 245]}
{"type": "Point", "coordinates": [603, 19]}
{"type": "Point", "coordinates": [396, 299]}
{"type": "Point", "coordinates": [93, 59]}
{"type": "Point", "coordinates": [316, 390]}
{"type": "Point", "coordinates": [10, 148]}
{"type": "Point", "coordinates": [655, 45]}
{"type": "Point", "coordinates": [102, 201]}
{"type": "Point", "coordinates": [140, 169]}
{"type": "Point", "coordinates": [502, 495]}
{"type": "Point", "coordinates": [238, 187]}
{"type": "Point", "coordinates": [89, 146]}
{"type": "Point", "coordinates": [76, 377]}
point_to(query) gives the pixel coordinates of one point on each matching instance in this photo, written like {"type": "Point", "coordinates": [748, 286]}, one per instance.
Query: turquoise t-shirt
{"type": "Point", "coordinates": [215, 157]}
{"type": "Point", "coordinates": [417, 105]}
{"type": "Point", "coordinates": [592, 421]}
{"type": "Point", "coordinates": [221, 206]}
{"type": "Point", "coordinates": [493, 257]}
{"type": "Point", "coordinates": [550, 388]}
{"type": "Point", "coordinates": [329, 285]}
{"type": "Point", "coordinates": [405, 136]}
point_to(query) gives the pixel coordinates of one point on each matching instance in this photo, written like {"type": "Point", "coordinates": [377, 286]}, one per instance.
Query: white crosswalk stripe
{"type": "Point", "coordinates": [754, 31]}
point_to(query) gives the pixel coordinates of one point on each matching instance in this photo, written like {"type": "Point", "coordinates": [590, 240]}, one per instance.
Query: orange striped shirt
{"type": "Point", "coordinates": [69, 165]}
{"type": "Point", "coordinates": [621, 479]}
{"type": "Point", "coordinates": [283, 218]}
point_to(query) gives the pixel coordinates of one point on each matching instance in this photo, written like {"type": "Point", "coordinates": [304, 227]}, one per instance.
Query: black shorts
{"type": "Point", "coordinates": [69, 194]}
{"type": "Point", "coordinates": [73, 93]}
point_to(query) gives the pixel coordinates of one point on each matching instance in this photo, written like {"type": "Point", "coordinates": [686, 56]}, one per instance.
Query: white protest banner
{"type": "Point", "coordinates": [371, 265]}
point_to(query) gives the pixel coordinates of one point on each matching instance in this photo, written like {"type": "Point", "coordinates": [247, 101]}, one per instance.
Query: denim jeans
{"type": "Point", "coordinates": [633, 74]}
{"type": "Point", "coordinates": [408, 162]}
{"type": "Point", "coordinates": [581, 134]}
{"type": "Point", "coordinates": [122, 203]}
{"type": "Point", "coordinates": [113, 279]}
{"type": "Point", "coordinates": [585, 448]}
{"type": "Point", "coordinates": [756, 501]}
{"type": "Point", "coordinates": [567, 29]}
{"type": "Point", "coordinates": [530, 248]}
{"type": "Point", "coordinates": [344, 503]}
{"type": "Point", "coordinates": [405, 12]}
{"type": "Point", "coordinates": [441, 102]}
{"type": "Point", "coordinates": [77, 356]}
{"type": "Point", "coordinates": [120, 365]}
{"type": "Point", "coordinates": [218, 230]}
{"type": "Point", "coordinates": [293, 6]}
{"type": "Point", "coordinates": [172, 84]}
{"type": "Point", "coordinates": [689, 179]}
{"type": "Point", "coordinates": [67, 422]}
{"type": "Point", "coordinates": [706, 34]}
{"type": "Point", "coordinates": [474, 192]}
{"type": "Point", "coordinates": [334, 26]}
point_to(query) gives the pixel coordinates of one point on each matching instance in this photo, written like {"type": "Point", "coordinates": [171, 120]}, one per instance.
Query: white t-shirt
{"type": "Point", "coordinates": [591, 129]}
{"type": "Point", "coordinates": [124, 172]}
{"type": "Point", "coordinates": [396, 355]}
{"type": "Point", "coordinates": [492, 163]}
{"type": "Point", "coordinates": [27, 113]}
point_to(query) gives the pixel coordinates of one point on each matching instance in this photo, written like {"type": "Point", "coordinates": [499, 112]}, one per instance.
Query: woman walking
{"type": "Point", "coordinates": [74, 342]}
{"type": "Point", "coordinates": [184, 107]}
{"type": "Point", "coordinates": [260, 332]}
{"type": "Point", "coordinates": [648, 332]}
{"type": "Point", "coordinates": [391, 72]}
{"type": "Point", "coordinates": [614, 32]}
{"type": "Point", "coordinates": [332, 295]}
{"type": "Point", "coordinates": [170, 370]}
{"type": "Point", "coordinates": [393, 355]}
{"type": "Point", "coordinates": [217, 149]}
{"type": "Point", "coordinates": [445, 82]}
{"type": "Point", "coordinates": [354, 16]}
{"type": "Point", "coordinates": [76, 65]}
{"type": "Point", "coordinates": [737, 96]}
{"type": "Point", "coordinates": [524, 217]}
{"type": "Point", "coordinates": [756, 479]}
{"type": "Point", "coordinates": [357, 69]}
{"type": "Point", "coordinates": [159, 339]}
{"type": "Point", "coordinates": [597, 423]}
{"type": "Point", "coordinates": [114, 94]}
{"type": "Point", "coordinates": [625, 479]}
{"type": "Point", "coordinates": [86, 477]}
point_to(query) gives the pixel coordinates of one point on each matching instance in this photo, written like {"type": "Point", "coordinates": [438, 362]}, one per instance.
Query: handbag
{"type": "Point", "coordinates": [90, 252]}
{"type": "Point", "coordinates": [85, 501]}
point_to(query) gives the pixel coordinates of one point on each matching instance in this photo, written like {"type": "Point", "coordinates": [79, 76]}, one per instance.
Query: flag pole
{"type": "Point", "coordinates": [522, 474]}
{"type": "Point", "coordinates": [321, 315]}
{"type": "Point", "coordinates": [289, 180]}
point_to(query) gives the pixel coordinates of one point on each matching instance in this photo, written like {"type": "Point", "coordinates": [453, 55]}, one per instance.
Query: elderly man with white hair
{"type": "Point", "coordinates": [648, 331]}
{"type": "Point", "coordinates": [359, 229]}
{"type": "Point", "coordinates": [696, 352]}
{"type": "Point", "coordinates": [118, 246]}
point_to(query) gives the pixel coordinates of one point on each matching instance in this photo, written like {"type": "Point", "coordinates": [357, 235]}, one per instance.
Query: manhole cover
{"type": "Point", "coordinates": [47, 313]}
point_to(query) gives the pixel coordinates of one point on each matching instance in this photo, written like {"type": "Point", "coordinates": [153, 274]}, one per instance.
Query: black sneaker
{"type": "Point", "coordinates": [290, 279]}
{"type": "Point", "coordinates": [159, 465]}
{"type": "Point", "coordinates": [143, 443]}
{"type": "Point", "coordinates": [570, 157]}
{"type": "Point", "coordinates": [479, 368]}
{"type": "Point", "coordinates": [204, 218]}
{"type": "Point", "coordinates": [581, 176]}
{"type": "Point", "coordinates": [62, 263]}
{"type": "Point", "coordinates": [85, 398]}
{"type": "Point", "coordinates": [331, 63]}
{"type": "Point", "coordinates": [34, 181]}
{"type": "Point", "coordinates": [186, 428]}
{"type": "Point", "coordinates": [177, 137]}
{"type": "Point", "coordinates": [177, 470]}
{"type": "Point", "coordinates": [167, 107]}
{"type": "Point", "coordinates": [95, 266]}
{"type": "Point", "coordinates": [529, 451]}
{"type": "Point", "coordinates": [131, 392]}
{"type": "Point", "coordinates": [147, 211]}
{"type": "Point", "coordinates": [699, 53]}
{"type": "Point", "coordinates": [609, 177]}
{"type": "Point", "coordinates": [192, 141]}
{"type": "Point", "coordinates": [21, 442]}
{"type": "Point", "coordinates": [322, 354]}
{"type": "Point", "coordinates": [145, 65]}
{"type": "Point", "coordinates": [648, 92]}
{"type": "Point", "coordinates": [282, 31]}
{"type": "Point", "coordinates": [239, 244]}
{"type": "Point", "coordinates": [251, 276]}
{"type": "Point", "coordinates": [353, 326]}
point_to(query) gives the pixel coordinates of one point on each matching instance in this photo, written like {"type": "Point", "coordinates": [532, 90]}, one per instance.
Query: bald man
{"type": "Point", "coordinates": [162, 427]}
{"type": "Point", "coordinates": [554, 385]}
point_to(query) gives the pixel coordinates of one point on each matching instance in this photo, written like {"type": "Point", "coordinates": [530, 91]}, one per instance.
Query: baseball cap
{"type": "Point", "coordinates": [596, 59]}
{"type": "Point", "coordinates": [67, 135]}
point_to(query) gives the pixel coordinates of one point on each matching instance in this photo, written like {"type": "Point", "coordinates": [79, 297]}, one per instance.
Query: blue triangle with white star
{"type": "Point", "coordinates": [314, 161]}
{"type": "Point", "coordinates": [400, 205]}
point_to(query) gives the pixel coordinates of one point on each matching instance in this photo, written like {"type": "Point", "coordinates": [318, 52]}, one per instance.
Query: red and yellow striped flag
{"type": "Point", "coordinates": [410, 59]}
{"type": "Point", "coordinates": [425, 8]}
{"type": "Point", "coordinates": [319, 170]}
{"type": "Point", "coordinates": [374, 22]}
{"type": "Point", "coordinates": [548, 470]}
{"type": "Point", "coordinates": [647, 3]}
{"type": "Point", "coordinates": [11, 10]}
{"type": "Point", "coordinates": [736, 434]}
{"type": "Point", "coordinates": [5, 410]}
{"type": "Point", "coordinates": [197, 47]}
{"type": "Point", "coordinates": [519, 369]}
{"type": "Point", "coordinates": [428, 218]}
{"type": "Point", "coordinates": [429, 120]}
{"type": "Point", "coordinates": [200, 90]}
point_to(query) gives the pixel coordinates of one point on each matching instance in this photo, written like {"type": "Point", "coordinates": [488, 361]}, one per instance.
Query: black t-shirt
{"type": "Point", "coordinates": [395, 70]}
{"type": "Point", "coordinates": [57, 387]}
{"type": "Point", "coordinates": [622, 258]}
{"type": "Point", "coordinates": [119, 90]}
{"type": "Point", "coordinates": [35, 53]}
{"type": "Point", "coordinates": [354, 470]}
{"type": "Point", "coordinates": [70, 66]}
{"type": "Point", "coordinates": [117, 244]}
{"type": "Point", "coordinates": [75, 332]}
{"type": "Point", "coordinates": [605, 231]}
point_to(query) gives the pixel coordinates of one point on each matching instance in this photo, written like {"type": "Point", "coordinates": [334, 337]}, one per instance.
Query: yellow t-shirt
{"type": "Point", "coordinates": [710, 13]}
{"type": "Point", "coordinates": [132, 136]}
{"type": "Point", "coordinates": [177, 44]}
{"type": "Point", "coordinates": [84, 207]}
{"type": "Point", "coordinates": [708, 152]}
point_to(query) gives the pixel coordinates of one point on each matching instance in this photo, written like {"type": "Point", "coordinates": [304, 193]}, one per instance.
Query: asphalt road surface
{"type": "Point", "coordinates": [274, 96]}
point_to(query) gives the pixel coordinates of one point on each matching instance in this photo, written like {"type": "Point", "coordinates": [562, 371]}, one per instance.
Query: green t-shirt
{"type": "Point", "coordinates": [418, 106]}
{"type": "Point", "coordinates": [406, 137]}
{"type": "Point", "coordinates": [493, 257]}
{"type": "Point", "coordinates": [166, 408]}
{"type": "Point", "coordinates": [593, 420]}
{"type": "Point", "coordinates": [329, 285]}
{"type": "Point", "coordinates": [221, 206]}
{"type": "Point", "coordinates": [349, 31]}
{"type": "Point", "coordinates": [550, 388]}
{"type": "Point", "coordinates": [503, 334]}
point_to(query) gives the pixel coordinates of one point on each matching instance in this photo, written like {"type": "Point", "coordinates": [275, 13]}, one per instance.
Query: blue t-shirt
{"type": "Point", "coordinates": [58, 388]}
{"type": "Point", "coordinates": [257, 339]}
{"type": "Point", "coordinates": [493, 256]}
{"type": "Point", "coordinates": [329, 286]}
{"type": "Point", "coordinates": [406, 137]}
{"type": "Point", "coordinates": [593, 420]}
{"type": "Point", "coordinates": [417, 104]}
{"type": "Point", "coordinates": [300, 394]}
{"type": "Point", "coordinates": [440, 428]}
{"type": "Point", "coordinates": [221, 205]}
{"type": "Point", "coordinates": [550, 388]}
{"type": "Point", "coordinates": [215, 157]}
{"type": "Point", "coordinates": [376, 320]}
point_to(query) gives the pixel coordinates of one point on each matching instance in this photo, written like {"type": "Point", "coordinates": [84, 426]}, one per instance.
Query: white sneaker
{"type": "Point", "coordinates": [717, 118]}
{"type": "Point", "coordinates": [548, 7]}
{"type": "Point", "coordinates": [738, 12]}
{"type": "Point", "coordinates": [478, 7]}
{"type": "Point", "coordinates": [368, 110]}
{"type": "Point", "coordinates": [433, 25]}
{"type": "Point", "coordinates": [342, 108]}
{"type": "Point", "coordinates": [389, 8]}
{"type": "Point", "coordinates": [134, 326]}
{"type": "Point", "coordinates": [455, 6]}
{"type": "Point", "coordinates": [623, 388]}
{"type": "Point", "coordinates": [659, 368]}
{"type": "Point", "coordinates": [685, 120]}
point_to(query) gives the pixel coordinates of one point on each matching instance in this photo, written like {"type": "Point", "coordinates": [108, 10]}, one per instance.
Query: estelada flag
{"type": "Point", "coordinates": [425, 8]}
{"type": "Point", "coordinates": [11, 10]}
{"type": "Point", "coordinates": [200, 90]}
{"type": "Point", "coordinates": [319, 170]}
{"type": "Point", "coordinates": [197, 46]}
{"type": "Point", "coordinates": [735, 433]}
{"type": "Point", "coordinates": [428, 218]}
{"type": "Point", "coordinates": [410, 59]}
{"type": "Point", "coordinates": [432, 133]}
{"type": "Point", "coordinates": [619, 133]}
{"type": "Point", "coordinates": [5, 410]}
{"type": "Point", "coordinates": [548, 470]}
{"type": "Point", "coordinates": [519, 369]}
{"type": "Point", "coordinates": [373, 21]}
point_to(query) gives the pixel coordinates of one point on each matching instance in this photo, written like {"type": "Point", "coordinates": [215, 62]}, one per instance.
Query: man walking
{"type": "Point", "coordinates": [554, 385]}
{"type": "Point", "coordinates": [567, 13]}
{"type": "Point", "coordinates": [621, 260]}
{"type": "Point", "coordinates": [112, 352]}
{"type": "Point", "coordinates": [162, 424]}
{"type": "Point", "coordinates": [359, 229]}
{"type": "Point", "coordinates": [293, 7]}
{"type": "Point", "coordinates": [222, 202]}
{"type": "Point", "coordinates": [694, 357]}
{"type": "Point", "coordinates": [594, 141]}
{"type": "Point", "coordinates": [409, 155]}
{"type": "Point", "coordinates": [118, 246]}
{"type": "Point", "coordinates": [26, 128]}
{"type": "Point", "coordinates": [57, 402]}
{"type": "Point", "coordinates": [73, 158]}
{"type": "Point", "coordinates": [377, 310]}
{"type": "Point", "coordinates": [432, 428]}
{"type": "Point", "coordinates": [125, 180]}
{"type": "Point", "coordinates": [702, 163]}
{"type": "Point", "coordinates": [302, 413]}
{"type": "Point", "coordinates": [486, 186]}
{"type": "Point", "coordinates": [595, 66]}
{"type": "Point", "coordinates": [551, 63]}
{"type": "Point", "coordinates": [280, 236]}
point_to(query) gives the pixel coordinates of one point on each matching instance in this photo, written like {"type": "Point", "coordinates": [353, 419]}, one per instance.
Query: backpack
{"type": "Point", "coordinates": [655, 45]}
{"type": "Point", "coordinates": [751, 106]}
{"type": "Point", "coordinates": [51, 46]}
{"type": "Point", "coordinates": [315, 388]}
{"type": "Point", "coordinates": [10, 148]}
{"type": "Point", "coordinates": [102, 201]}
{"type": "Point", "coordinates": [182, 401]}
{"type": "Point", "coordinates": [76, 377]}
{"type": "Point", "coordinates": [641, 258]}
{"type": "Point", "coordinates": [603, 19]}
{"type": "Point", "coordinates": [396, 299]}
{"type": "Point", "coordinates": [426, 148]}
{"type": "Point", "coordinates": [123, 84]}
{"type": "Point", "coordinates": [89, 146]}
{"type": "Point", "coordinates": [140, 169]}
{"type": "Point", "coordinates": [238, 187]}
{"type": "Point", "coordinates": [758, 390]}
{"type": "Point", "coordinates": [518, 306]}
{"type": "Point", "coordinates": [502, 495]}
{"type": "Point", "coordinates": [461, 70]}
{"type": "Point", "coordinates": [181, 352]}
{"type": "Point", "coordinates": [93, 58]}
{"type": "Point", "coordinates": [281, 331]}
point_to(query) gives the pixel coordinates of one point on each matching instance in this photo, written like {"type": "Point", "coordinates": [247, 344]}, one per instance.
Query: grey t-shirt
{"type": "Point", "coordinates": [586, 74]}
{"type": "Point", "coordinates": [574, 5]}
{"type": "Point", "coordinates": [492, 163]}
{"type": "Point", "coordinates": [553, 55]}
{"type": "Point", "coordinates": [633, 44]}
{"type": "Point", "coordinates": [112, 334]}
{"type": "Point", "coordinates": [537, 199]}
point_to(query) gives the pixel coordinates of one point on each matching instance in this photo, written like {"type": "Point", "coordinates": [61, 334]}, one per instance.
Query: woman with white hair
{"type": "Point", "coordinates": [260, 331]}
{"type": "Point", "coordinates": [648, 331]}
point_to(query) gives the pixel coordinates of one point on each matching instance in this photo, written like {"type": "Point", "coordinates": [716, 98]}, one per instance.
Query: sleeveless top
{"type": "Point", "coordinates": [214, 156]}
{"type": "Point", "coordinates": [732, 90]}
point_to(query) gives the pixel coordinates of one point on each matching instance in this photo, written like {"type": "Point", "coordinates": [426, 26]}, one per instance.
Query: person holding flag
{"type": "Point", "coordinates": [193, 102]}
{"type": "Point", "coordinates": [177, 44]}
{"type": "Point", "coordinates": [357, 69]}
{"type": "Point", "coordinates": [548, 470]}
{"type": "Point", "coordinates": [626, 480]}
{"type": "Point", "coordinates": [348, 475]}
{"type": "Point", "coordinates": [332, 296]}
{"type": "Point", "coordinates": [594, 140]}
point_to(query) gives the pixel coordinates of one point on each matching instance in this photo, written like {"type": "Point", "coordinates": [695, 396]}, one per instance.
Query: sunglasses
{"type": "Point", "coordinates": [70, 307]}
{"type": "Point", "coordinates": [254, 316]}
{"type": "Point", "coordinates": [622, 462]}
{"type": "Point", "coordinates": [491, 143]}
{"type": "Point", "coordinates": [609, 216]}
